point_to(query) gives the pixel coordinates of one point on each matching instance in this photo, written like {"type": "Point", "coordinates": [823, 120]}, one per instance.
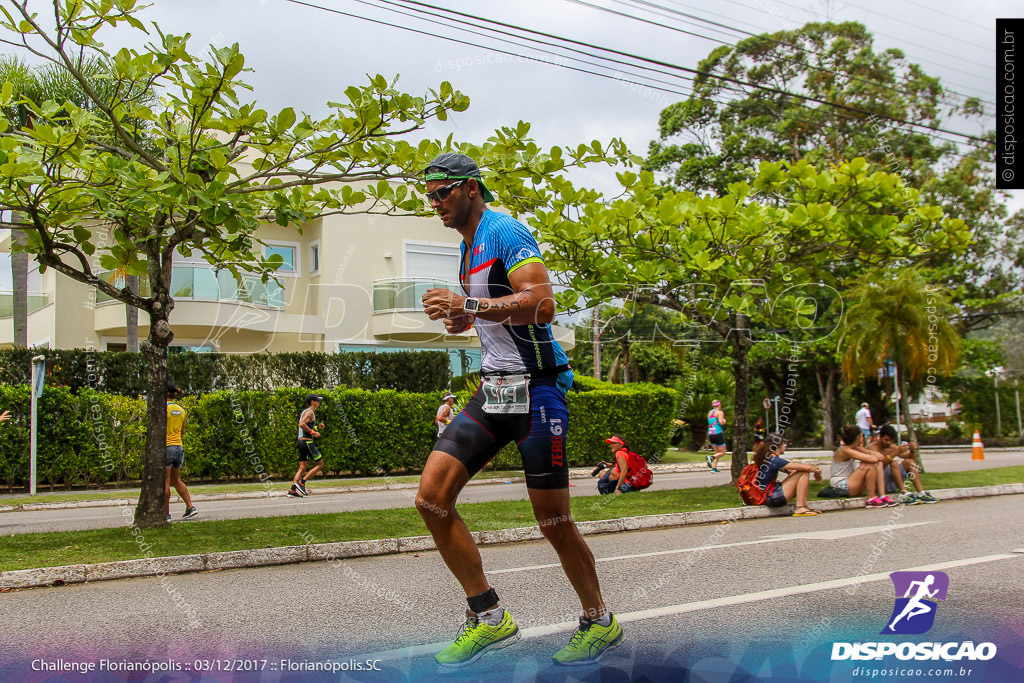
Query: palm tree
{"type": "Point", "coordinates": [40, 85]}
{"type": "Point", "coordinates": [18, 74]}
{"type": "Point", "coordinates": [903, 319]}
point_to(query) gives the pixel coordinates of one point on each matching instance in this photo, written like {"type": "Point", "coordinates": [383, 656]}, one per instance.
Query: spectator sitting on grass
{"type": "Point", "coordinates": [856, 469]}
{"type": "Point", "coordinates": [769, 464]}
{"type": "Point", "coordinates": [902, 465]}
{"type": "Point", "coordinates": [618, 469]}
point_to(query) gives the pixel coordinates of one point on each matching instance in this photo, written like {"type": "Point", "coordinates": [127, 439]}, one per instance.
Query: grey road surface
{"type": "Point", "coordinates": [105, 517]}
{"type": "Point", "coordinates": [770, 593]}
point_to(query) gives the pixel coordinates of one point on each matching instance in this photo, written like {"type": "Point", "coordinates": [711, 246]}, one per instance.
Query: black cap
{"type": "Point", "coordinates": [454, 165]}
{"type": "Point", "coordinates": [172, 388]}
{"type": "Point", "coordinates": [314, 397]}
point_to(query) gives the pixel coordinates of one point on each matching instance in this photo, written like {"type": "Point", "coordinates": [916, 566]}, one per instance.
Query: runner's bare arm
{"type": "Point", "coordinates": [532, 300]}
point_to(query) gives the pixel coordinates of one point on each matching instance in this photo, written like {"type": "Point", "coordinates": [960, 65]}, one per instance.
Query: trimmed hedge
{"type": "Point", "coordinates": [119, 372]}
{"type": "Point", "coordinates": [92, 439]}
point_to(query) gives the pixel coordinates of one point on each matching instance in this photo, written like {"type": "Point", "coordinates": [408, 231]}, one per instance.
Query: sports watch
{"type": "Point", "coordinates": [471, 305]}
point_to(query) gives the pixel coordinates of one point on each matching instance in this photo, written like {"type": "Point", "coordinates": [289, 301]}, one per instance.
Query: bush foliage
{"type": "Point", "coordinates": [91, 438]}
{"type": "Point", "coordinates": [118, 372]}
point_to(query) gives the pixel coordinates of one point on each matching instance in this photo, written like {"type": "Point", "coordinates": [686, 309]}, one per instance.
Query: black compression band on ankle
{"type": "Point", "coordinates": [483, 602]}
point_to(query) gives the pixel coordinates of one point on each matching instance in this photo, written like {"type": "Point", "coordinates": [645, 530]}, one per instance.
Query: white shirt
{"type": "Point", "coordinates": [864, 418]}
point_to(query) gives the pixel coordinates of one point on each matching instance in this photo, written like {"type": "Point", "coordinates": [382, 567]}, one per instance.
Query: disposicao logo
{"type": "Point", "coordinates": [916, 593]}
{"type": "Point", "coordinates": [914, 613]}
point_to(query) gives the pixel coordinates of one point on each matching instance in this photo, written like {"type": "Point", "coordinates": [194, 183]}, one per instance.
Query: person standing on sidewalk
{"type": "Point", "coordinates": [308, 452]}
{"type": "Point", "coordinates": [524, 378]}
{"type": "Point", "coordinates": [444, 413]}
{"type": "Point", "coordinates": [175, 454]}
{"type": "Point", "coordinates": [864, 421]}
{"type": "Point", "coordinates": [716, 435]}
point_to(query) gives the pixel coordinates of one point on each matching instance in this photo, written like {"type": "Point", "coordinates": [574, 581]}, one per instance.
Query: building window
{"type": "Point", "coordinates": [314, 259]}
{"type": "Point", "coordinates": [287, 255]}
{"type": "Point", "coordinates": [432, 261]}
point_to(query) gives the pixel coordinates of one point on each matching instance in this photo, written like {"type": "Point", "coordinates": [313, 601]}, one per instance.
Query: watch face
{"type": "Point", "coordinates": [471, 305]}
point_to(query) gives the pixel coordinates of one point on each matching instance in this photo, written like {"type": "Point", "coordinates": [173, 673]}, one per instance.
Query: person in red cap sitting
{"type": "Point", "coordinates": [618, 469]}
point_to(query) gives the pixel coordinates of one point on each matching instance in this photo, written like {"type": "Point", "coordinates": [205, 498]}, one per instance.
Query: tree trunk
{"type": "Point", "coordinates": [625, 359]}
{"type": "Point", "coordinates": [826, 389]}
{"type": "Point", "coordinates": [131, 316]}
{"type": "Point", "coordinates": [741, 396]}
{"type": "Point", "coordinates": [19, 289]}
{"type": "Point", "coordinates": [904, 393]}
{"type": "Point", "coordinates": [152, 508]}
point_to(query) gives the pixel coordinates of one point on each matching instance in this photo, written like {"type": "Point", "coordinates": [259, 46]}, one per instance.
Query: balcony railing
{"type": "Point", "coordinates": [35, 302]}
{"type": "Point", "coordinates": [201, 283]}
{"type": "Point", "coordinates": [404, 294]}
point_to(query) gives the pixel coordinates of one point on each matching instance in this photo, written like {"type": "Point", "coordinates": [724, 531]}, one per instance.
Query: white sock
{"type": "Point", "coordinates": [605, 619]}
{"type": "Point", "coordinates": [492, 617]}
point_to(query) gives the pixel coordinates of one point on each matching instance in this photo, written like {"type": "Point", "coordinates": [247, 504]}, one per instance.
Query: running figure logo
{"type": "Point", "coordinates": [916, 593]}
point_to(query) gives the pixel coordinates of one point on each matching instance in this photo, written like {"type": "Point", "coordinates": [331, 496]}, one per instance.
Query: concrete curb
{"type": "Point", "coordinates": [279, 492]}
{"type": "Point", "coordinates": [265, 557]}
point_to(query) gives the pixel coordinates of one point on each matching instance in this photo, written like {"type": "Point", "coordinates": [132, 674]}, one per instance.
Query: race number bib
{"type": "Point", "coordinates": [509, 395]}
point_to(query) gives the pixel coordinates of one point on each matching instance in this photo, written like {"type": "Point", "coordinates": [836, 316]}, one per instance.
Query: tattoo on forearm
{"type": "Point", "coordinates": [504, 306]}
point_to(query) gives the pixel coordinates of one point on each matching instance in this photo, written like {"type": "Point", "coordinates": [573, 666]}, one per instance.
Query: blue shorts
{"type": "Point", "coordinates": [174, 456]}
{"type": "Point", "coordinates": [607, 485]}
{"type": "Point", "coordinates": [475, 437]}
{"type": "Point", "coordinates": [777, 498]}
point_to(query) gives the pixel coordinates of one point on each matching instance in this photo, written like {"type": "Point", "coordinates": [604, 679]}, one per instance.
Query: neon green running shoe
{"type": "Point", "coordinates": [476, 638]}
{"type": "Point", "coordinates": [589, 642]}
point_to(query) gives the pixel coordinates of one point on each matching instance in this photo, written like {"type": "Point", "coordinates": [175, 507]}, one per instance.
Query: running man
{"type": "Point", "coordinates": [444, 413]}
{"type": "Point", "coordinates": [915, 607]}
{"type": "Point", "coordinates": [716, 435]}
{"type": "Point", "coordinates": [307, 449]}
{"type": "Point", "coordinates": [174, 456]}
{"type": "Point", "coordinates": [525, 375]}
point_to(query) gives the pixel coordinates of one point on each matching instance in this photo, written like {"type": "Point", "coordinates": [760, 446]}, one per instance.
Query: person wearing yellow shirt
{"type": "Point", "coordinates": [175, 456]}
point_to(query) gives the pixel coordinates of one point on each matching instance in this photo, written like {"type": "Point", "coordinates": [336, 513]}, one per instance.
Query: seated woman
{"type": "Point", "coordinates": [769, 464]}
{"type": "Point", "coordinates": [618, 469]}
{"type": "Point", "coordinates": [856, 469]}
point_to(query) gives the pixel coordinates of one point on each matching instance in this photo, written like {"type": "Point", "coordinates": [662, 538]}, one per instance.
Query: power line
{"type": "Point", "coordinates": [460, 26]}
{"type": "Point", "coordinates": [803, 9]}
{"type": "Point", "coordinates": [938, 11]}
{"type": "Point", "coordinates": [706, 74]}
{"type": "Point", "coordinates": [764, 34]}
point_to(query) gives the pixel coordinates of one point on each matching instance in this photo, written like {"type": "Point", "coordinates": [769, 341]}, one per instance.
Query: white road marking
{"type": "Point", "coordinates": [715, 603]}
{"type": "Point", "coordinates": [823, 535]}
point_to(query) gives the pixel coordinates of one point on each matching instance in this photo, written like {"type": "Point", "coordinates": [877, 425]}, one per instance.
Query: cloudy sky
{"type": "Point", "coordinates": [304, 56]}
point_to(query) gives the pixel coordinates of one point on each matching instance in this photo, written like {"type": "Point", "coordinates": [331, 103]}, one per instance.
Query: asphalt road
{"type": "Point", "coordinates": [947, 460]}
{"type": "Point", "coordinates": [701, 603]}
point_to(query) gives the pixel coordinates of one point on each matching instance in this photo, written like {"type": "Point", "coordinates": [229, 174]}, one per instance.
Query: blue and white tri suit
{"type": "Point", "coordinates": [501, 245]}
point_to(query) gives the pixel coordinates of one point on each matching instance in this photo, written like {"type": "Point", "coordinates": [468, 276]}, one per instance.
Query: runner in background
{"type": "Point", "coordinates": [444, 413]}
{"type": "Point", "coordinates": [174, 457]}
{"type": "Point", "coordinates": [307, 449]}
{"type": "Point", "coordinates": [716, 435]}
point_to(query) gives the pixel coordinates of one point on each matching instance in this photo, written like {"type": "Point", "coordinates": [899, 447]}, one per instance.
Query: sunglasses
{"type": "Point", "coordinates": [442, 193]}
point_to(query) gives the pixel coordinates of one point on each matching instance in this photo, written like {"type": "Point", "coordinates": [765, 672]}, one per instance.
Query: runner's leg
{"type": "Point", "coordinates": [551, 508]}
{"type": "Point", "coordinates": [443, 479]}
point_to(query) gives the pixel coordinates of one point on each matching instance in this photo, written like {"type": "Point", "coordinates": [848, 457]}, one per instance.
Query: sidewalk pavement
{"type": "Point", "coordinates": [278, 490]}
{"type": "Point", "coordinates": [262, 557]}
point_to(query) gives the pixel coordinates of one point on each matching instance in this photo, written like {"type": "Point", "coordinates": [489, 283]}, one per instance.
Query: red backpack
{"type": "Point", "coordinates": [748, 488]}
{"type": "Point", "coordinates": [640, 475]}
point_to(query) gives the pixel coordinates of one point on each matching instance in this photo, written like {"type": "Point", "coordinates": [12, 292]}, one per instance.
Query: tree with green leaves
{"type": "Point", "coordinates": [825, 93]}
{"type": "Point", "coordinates": [904, 319]}
{"type": "Point", "coordinates": [200, 171]}
{"type": "Point", "coordinates": [748, 266]}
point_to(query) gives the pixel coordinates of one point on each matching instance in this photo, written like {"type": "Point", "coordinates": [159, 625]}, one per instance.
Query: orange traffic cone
{"type": "Point", "coordinates": [978, 448]}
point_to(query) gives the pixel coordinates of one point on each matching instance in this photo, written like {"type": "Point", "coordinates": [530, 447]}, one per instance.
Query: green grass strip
{"type": "Point", "coordinates": [22, 551]}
